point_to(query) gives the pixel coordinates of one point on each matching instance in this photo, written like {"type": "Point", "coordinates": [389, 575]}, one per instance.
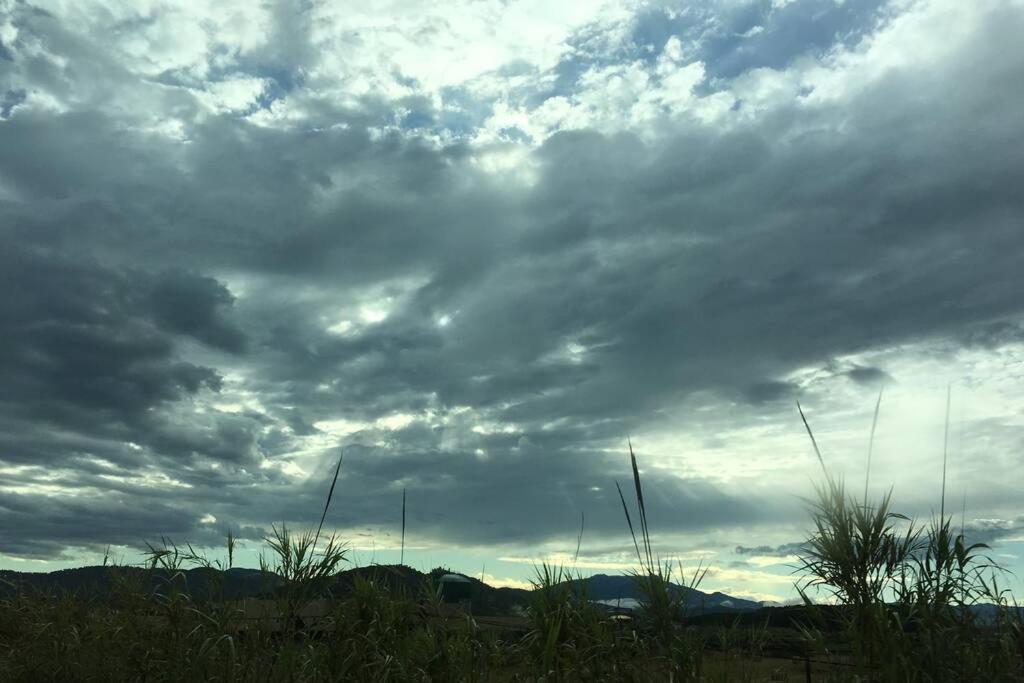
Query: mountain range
{"type": "Point", "coordinates": [101, 582]}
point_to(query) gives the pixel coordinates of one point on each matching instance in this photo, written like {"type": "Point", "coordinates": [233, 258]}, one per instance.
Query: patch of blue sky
{"type": "Point", "coordinates": [280, 80]}
{"type": "Point", "coordinates": [731, 40]}
{"type": "Point", "coordinates": [515, 134]}
{"type": "Point", "coordinates": [9, 100]}
{"type": "Point", "coordinates": [417, 119]}
{"type": "Point", "coordinates": [808, 27]}
{"type": "Point", "coordinates": [775, 37]}
{"type": "Point", "coordinates": [654, 27]}
{"type": "Point", "coordinates": [463, 112]}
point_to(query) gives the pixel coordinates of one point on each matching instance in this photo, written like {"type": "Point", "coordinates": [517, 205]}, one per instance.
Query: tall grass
{"type": "Point", "coordinates": [945, 454]}
{"type": "Point", "coordinates": [871, 444]}
{"type": "Point", "coordinates": [904, 593]}
{"type": "Point", "coordinates": [903, 597]}
{"type": "Point", "coordinates": [663, 605]}
{"type": "Point", "coordinates": [401, 558]}
{"type": "Point", "coordinates": [304, 572]}
{"type": "Point", "coordinates": [330, 495]}
{"type": "Point", "coordinates": [579, 539]}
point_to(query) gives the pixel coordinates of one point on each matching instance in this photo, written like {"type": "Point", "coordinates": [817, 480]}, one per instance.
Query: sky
{"type": "Point", "coordinates": [474, 247]}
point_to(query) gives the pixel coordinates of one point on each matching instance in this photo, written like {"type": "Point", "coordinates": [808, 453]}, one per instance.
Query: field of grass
{"type": "Point", "coordinates": [902, 607]}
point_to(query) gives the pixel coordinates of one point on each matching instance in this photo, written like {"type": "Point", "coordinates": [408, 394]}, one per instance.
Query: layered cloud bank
{"type": "Point", "coordinates": [474, 248]}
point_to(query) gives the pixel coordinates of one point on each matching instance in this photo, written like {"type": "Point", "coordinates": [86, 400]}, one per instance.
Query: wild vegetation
{"type": "Point", "coordinates": [903, 604]}
{"type": "Point", "coordinates": [907, 595]}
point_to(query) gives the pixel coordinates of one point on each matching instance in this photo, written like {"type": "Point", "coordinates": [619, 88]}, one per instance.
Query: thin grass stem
{"type": "Point", "coordinates": [945, 454]}
{"type": "Point", "coordinates": [579, 539]}
{"type": "Point", "coordinates": [402, 556]}
{"type": "Point", "coordinates": [629, 522]}
{"type": "Point", "coordinates": [871, 444]}
{"type": "Point", "coordinates": [644, 529]}
{"type": "Point", "coordinates": [327, 504]}
{"type": "Point", "coordinates": [814, 442]}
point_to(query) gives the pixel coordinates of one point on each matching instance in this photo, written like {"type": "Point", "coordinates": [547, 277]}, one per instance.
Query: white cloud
{"type": "Point", "coordinates": [381, 269]}
{"type": "Point", "coordinates": [237, 94]}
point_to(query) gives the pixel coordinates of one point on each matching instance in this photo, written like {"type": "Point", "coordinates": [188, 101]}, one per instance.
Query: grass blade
{"type": "Point", "coordinates": [871, 444]}
{"type": "Point", "coordinates": [579, 539]}
{"type": "Point", "coordinates": [945, 454]}
{"type": "Point", "coordinates": [327, 504]}
{"type": "Point", "coordinates": [629, 521]}
{"type": "Point", "coordinates": [640, 504]}
{"type": "Point", "coordinates": [814, 442]}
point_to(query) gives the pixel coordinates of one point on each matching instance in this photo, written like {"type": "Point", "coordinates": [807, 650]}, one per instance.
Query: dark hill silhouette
{"type": "Point", "coordinates": [101, 584]}
{"type": "Point", "coordinates": [607, 588]}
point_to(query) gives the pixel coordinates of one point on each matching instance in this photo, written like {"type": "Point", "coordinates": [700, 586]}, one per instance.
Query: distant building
{"type": "Point", "coordinates": [456, 590]}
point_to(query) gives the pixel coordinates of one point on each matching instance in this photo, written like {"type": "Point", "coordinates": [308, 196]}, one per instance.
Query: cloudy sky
{"type": "Point", "coordinates": [475, 247]}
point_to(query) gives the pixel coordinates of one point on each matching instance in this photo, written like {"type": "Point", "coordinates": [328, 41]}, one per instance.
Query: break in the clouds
{"type": "Point", "coordinates": [474, 247]}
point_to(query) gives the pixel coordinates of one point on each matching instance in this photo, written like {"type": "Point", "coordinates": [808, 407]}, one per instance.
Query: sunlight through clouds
{"type": "Point", "coordinates": [475, 247]}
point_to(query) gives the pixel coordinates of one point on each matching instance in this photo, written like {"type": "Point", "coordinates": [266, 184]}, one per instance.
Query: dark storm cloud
{"type": "Point", "coordinates": [193, 306]}
{"type": "Point", "coordinates": [783, 550]}
{"type": "Point", "coordinates": [764, 392]}
{"type": "Point", "coordinates": [42, 527]}
{"type": "Point", "coordinates": [523, 493]}
{"type": "Point", "coordinates": [90, 359]}
{"type": "Point", "coordinates": [993, 335]}
{"type": "Point", "coordinates": [992, 531]}
{"type": "Point", "coordinates": [82, 337]}
{"type": "Point", "coordinates": [868, 375]}
{"type": "Point", "coordinates": [140, 272]}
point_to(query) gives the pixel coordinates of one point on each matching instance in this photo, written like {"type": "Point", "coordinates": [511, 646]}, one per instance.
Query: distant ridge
{"type": "Point", "coordinates": [98, 582]}
{"type": "Point", "coordinates": [607, 588]}
{"type": "Point", "coordinates": [102, 583]}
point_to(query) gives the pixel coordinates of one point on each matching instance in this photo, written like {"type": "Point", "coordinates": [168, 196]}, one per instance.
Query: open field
{"type": "Point", "coordinates": [914, 604]}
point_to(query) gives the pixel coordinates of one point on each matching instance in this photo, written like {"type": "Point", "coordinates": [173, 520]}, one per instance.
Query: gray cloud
{"type": "Point", "coordinates": [81, 341]}
{"type": "Point", "coordinates": [148, 278]}
{"type": "Point", "coordinates": [763, 392]}
{"type": "Point", "coordinates": [783, 550]}
{"type": "Point", "coordinates": [39, 527]}
{"type": "Point", "coordinates": [993, 531]}
{"type": "Point", "coordinates": [192, 306]}
{"type": "Point", "coordinates": [868, 375]}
